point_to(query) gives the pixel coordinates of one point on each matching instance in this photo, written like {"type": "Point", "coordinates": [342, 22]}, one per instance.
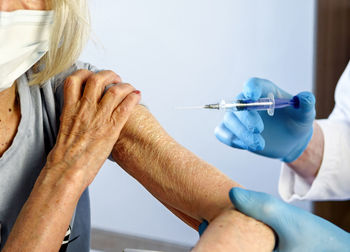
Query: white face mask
{"type": "Point", "coordinates": [24, 40]}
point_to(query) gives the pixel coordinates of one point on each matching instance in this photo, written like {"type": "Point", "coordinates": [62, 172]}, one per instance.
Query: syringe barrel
{"type": "Point", "coordinates": [260, 104]}
{"type": "Point", "coordinates": [268, 104]}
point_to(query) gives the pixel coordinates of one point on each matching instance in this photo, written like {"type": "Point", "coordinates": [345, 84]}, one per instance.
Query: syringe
{"type": "Point", "coordinates": [269, 104]}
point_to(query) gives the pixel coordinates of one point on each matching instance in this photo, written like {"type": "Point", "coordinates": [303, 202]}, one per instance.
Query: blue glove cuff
{"type": "Point", "coordinates": [296, 153]}
{"type": "Point", "coordinates": [202, 227]}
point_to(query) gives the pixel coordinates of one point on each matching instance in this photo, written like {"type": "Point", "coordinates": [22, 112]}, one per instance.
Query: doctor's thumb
{"type": "Point", "coordinates": [260, 206]}
{"type": "Point", "coordinates": [305, 110]}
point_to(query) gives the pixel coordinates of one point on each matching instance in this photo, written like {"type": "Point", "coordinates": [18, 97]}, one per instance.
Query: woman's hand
{"type": "Point", "coordinates": [91, 122]}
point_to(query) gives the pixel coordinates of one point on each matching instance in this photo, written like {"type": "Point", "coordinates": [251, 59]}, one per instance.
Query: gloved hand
{"type": "Point", "coordinates": [297, 230]}
{"type": "Point", "coordinates": [284, 135]}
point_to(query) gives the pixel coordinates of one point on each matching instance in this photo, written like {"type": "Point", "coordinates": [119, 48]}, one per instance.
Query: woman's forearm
{"type": "Point", "coordinates": [308, 164]}
{"type": "Point", "coordinates": [45, 217]}
{"type": "Point", "coordinates": [169, 171]}
{"type": "Point", "coordinates": [173, 174]}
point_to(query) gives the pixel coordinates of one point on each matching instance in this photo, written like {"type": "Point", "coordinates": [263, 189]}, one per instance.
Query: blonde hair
{"type": "Point", "coordinates": [70, 33]}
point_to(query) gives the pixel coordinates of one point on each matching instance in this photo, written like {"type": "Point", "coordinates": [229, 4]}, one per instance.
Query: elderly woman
{"type": "Point", "coordinates": [58, 125]}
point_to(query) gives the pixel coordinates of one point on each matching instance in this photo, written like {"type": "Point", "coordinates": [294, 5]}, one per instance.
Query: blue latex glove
{"type": "Point", "coordinates": [202, 227]}
{"type": "Point", "coordinates": [284, 135]}
{"type": "Point", "coordinates": [297, 230]}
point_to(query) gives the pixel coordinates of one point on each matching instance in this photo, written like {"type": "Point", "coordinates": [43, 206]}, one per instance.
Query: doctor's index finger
{"type": "Point", "coordinates": [252, 141]}
{"type": "Point", "coordinates": [226, 136]}
{"type": "Point", "coordinates": [256, 88]}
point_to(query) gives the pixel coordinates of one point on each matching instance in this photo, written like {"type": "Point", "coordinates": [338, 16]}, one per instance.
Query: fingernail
{"type": "Point", "coordinates": [137, 92]}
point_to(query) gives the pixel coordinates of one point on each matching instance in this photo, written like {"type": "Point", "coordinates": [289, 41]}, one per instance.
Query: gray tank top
{"type": "Point", "coordinates": [21, 164]}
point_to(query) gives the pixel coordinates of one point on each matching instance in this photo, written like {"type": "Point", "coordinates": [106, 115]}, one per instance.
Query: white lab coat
{"type": "Point", "coordinates": [333, 179]}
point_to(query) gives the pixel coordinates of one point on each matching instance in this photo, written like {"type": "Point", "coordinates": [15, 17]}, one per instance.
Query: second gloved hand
{"type": "Point", "coordinates": [296, 229]}
{"type": "Point", "coordinates": [284, 135]}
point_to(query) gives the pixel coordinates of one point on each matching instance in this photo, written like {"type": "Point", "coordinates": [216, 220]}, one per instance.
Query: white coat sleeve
{"type": "Point", "coordinates": [333, 179]}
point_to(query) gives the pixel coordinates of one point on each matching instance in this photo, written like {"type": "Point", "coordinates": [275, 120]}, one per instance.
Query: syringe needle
{"type": "Point", "coordinates": [192, 107]}
{"type": "Point", "coordinates": [207, 106]}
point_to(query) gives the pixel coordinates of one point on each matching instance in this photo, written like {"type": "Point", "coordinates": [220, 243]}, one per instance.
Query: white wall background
{"type": "Point", "coordinates": [191, 52]}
